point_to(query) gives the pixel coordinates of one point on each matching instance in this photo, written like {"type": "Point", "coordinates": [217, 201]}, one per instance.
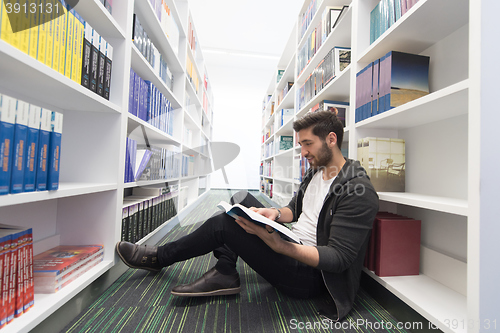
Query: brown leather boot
{"type": "Point", "coordinates": [212, 283]}
{"type": "Point", "coordinates": [139, 256]}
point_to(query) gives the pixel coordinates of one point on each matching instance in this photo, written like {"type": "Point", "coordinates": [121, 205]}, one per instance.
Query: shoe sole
{"type": "Point", "coordinates": [220, 292]}
{"type": "Point", "coordinates": [130, 265]}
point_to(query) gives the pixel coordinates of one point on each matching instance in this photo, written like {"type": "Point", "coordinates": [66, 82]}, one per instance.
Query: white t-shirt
{"type": "Point", "coordinates": [316, 191]}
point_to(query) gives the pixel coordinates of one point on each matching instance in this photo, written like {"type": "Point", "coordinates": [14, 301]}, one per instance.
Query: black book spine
{"type": "Point", "coordinates": [94, 62]}
{"type": "Point", "coordinates": [101, 67]}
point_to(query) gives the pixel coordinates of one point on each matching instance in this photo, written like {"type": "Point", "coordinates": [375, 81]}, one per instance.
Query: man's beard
{"type": "Point", "coordinates": [324, 157]}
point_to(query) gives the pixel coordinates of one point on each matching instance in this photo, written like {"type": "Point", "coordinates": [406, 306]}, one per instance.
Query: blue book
{"type": "Point", "coordinates": [382, 89]}
{"type": "Point", "coordinates": [137, 85]}
{"type": "Point", "coordinates": [54, 159]}
{"type": "Point", "coordinates": [19, 152]}
{"type": "Point", "coordinates": [127, 161]}
{"type": "Point", "coordinates": [407, 78]}
{"type": "Point", "coordinates": [131, 91]}
{"type": "Point", "coordinates": [31, 148]}
{"type": "Point", "coordinates": [43, 150]}
{"type": "Point", "coordinates": [375, 85]}
{"type": "Point", "coordinates": [142, 159]}
{"type": "Point", "coordinates": [7, 123]}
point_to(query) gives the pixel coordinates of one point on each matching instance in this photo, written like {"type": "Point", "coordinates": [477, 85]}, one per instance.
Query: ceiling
{"type": "Point", "coordinates": [242, 33]}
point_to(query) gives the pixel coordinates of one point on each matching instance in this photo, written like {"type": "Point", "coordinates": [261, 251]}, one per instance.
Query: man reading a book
{"type": "Point", "coordinates": [334, 210]}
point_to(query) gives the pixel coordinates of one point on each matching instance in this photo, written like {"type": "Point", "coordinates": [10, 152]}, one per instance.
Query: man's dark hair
{"type": "Point", "coordinates": [322, 123]}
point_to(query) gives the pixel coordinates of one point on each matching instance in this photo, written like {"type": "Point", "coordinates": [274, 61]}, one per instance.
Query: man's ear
{"type": "Point", "coordinates": [331, 139]}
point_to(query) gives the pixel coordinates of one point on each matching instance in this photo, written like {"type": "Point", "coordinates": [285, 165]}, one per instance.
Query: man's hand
{"type": "Point", "coordinates": [270, 213]}
{"type": "Point", "coordinates": [267, 234]}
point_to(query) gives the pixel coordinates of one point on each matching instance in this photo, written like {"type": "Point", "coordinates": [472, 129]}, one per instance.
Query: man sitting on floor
{"type": "Point", "coordinates": [334, 208]}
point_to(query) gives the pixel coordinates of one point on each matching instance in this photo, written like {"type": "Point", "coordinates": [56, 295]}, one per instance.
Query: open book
{"type": "Point", "coordinates": [239, 210]}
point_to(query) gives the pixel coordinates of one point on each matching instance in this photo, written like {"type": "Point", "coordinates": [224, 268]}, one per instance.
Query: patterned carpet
{"type": "Point", "coordinates": [140, 301]}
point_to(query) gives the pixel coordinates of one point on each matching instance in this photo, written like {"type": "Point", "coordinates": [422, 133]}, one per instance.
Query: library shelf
{"type": "Point", "coordinates": [100, 19]}
{"type": "Point", "coordinates": [440, 204]}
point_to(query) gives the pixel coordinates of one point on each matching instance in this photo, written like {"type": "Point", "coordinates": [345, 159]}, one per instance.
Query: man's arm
{"type": "Point", "coordinates": [308, 255]}
{"type": "Point", "coordinates": [272, 213]}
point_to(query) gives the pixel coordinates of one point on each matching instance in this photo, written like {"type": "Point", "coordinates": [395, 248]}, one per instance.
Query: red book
{"type": "Point", "coordinates": [397, 248]}
{"type": "Point", "coordinates": [370, 251]}
{"type": "Point", "coordinates": [5, 302]}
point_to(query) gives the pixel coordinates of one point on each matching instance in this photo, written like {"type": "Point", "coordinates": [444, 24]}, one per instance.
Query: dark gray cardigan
{"type": "Point", "coordinates": [343, 230]}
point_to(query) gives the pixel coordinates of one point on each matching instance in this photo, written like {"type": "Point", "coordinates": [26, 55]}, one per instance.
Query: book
{"type": "Point", "coordinates": [43, 150]}
{"type": "Point", "coordinates": [406, 78]}
{"type": "Point", "coordinates": [142, 159]}
{"type": "Point", "coordinates": [7, 125]}
{"type": "Point", "coordinates": [54, 157]}
{"type": "Point", "coordinates": [94, 61]}
{"type": "Point", "coordinates": [107, 70]}
{"type": "Point", "coordinates": [87, 47]}
{"type": "Point", "coordinates": [341, 109]}
{"type": "Point", "coordinates": [384, 162]}
{"type": "Point", "coordinates": [19, 147]}
{"type": "Point", "coordinates": [7, 305]}
{"type": "Point", "coordinates": [239, 210]}
{"type": "Point", "coordinates": [397, 248]}
{"type": "Point", "coordinates": [31, 148]}
{"type": "Point", "coordinates": [342, 59]}
{"type": "Point", "coordinates": [51, 266]}
{"type": "Point", "coordinates": [101, 66]}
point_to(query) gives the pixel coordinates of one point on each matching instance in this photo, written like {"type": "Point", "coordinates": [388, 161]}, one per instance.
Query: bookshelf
{"type": "Point", "coordinates": [443, 145]}
{"type": "Point", "coordinates": [87, 207]}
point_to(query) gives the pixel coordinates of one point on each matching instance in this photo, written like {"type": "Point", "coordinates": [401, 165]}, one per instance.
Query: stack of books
{"type": "Point", "coordinates": [394, 246]}
{"type": "Point", "coordinates": [30, 147]}
{"type": "Point", "coordinates": [16, 272]}
{"type": "Point", "coordinates": [59, 266]}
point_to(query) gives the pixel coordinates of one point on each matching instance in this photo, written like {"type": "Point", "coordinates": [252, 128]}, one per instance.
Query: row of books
{"type": "Point", "coordinates": [150, 163]}
{"type": "Point", "coordinates": [97, 61]}
{"type": "Point", "coordinates": [148, 103]}
{"type": "Point", "coordinates": [63, 42]}
{"type": "Point", "coordinates": [331, 66]}
{"type": "Point", "coordinates": [152, 55]}
{"type": "Point", "coordinates": [393, 80]}
{"type": "Point", "coordinates": [394, 245]}
{"type": "Point", "coordinates": [385, 14]}
{"type": "Point", "coordinates": [30, 147]}
{"type": "Point", "coordinates": [341, 109]}
{"type": "Point", "coordinates": [143, 212]}
{"type": "Point", "coordinates": [167, 22]}
{"type": "Point", "coordinates": [193, 74]}
{"type": "Point", "coordinates": [284, 92]}
{"type": "Point", "coordinates": [308, 15]}
{"type": "Point", "coordinates": [300, 167]}
{"type": "Point", "coordinates": [16, 272]}
{"type": "Point", "coordinates": [329, 19]}
{"type": "Point", "coordinates": [192, 40]}
{"type": "Point", "coordinates": [266, 168]}
{"type": "Point", "coordinates": [56, 268]}
{"type": "Point", "coordinates": [188, 166]}
{"type": "Point", "coordinates": [266, 187]}
{"type": "Point", "coordinates": [384, 162]}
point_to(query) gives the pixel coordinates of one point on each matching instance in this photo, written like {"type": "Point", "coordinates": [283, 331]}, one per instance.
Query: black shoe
{"type": "Point", "coordinates": [212, 283]}
{"type": "Point", "coordinates": [139, 256]}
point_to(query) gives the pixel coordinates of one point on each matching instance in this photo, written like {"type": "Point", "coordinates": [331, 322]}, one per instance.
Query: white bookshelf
{"type": "Point", "coordinates": [86, 209]}
{"type": "Point", "coordinates": [444, 146]}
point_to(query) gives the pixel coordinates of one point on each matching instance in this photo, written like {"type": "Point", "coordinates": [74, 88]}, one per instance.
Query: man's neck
{"type": "Point", "coordinates": [333, 168]}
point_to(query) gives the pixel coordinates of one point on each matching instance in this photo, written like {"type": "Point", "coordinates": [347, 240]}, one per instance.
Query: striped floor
{"type": "Point", "coordinates": [140, 301]}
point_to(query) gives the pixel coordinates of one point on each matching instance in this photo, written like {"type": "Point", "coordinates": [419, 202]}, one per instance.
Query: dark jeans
{"type": "Point", "coordinates": [222, 235]}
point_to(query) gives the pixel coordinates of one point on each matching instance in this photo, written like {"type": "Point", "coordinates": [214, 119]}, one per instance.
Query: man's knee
{"type": "Point", "coordinates": [239, 197]}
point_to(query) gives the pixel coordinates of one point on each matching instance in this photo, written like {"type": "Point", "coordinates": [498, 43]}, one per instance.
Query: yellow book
{"type": "Point", "coordinates": [50, 34]}
{"type": "Point", "coordinates": [79, 49]}
{"type": "Point", "coordinates": [63, 37]}
{"type": "Point", "coordinates": [33, 48]}
{"type": "Point", "coordinates": [76, 65]}
{"type": "Point", "coordinates": [6, 32]}
{"type": "Point", "coordinates": [57, 38]}
{"type": "Point", "coordinates": [42, 36]}
{"type": "Point", "coordinates": [24, 34]}
{"type": "Point", "coordinates": [69, 43]}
